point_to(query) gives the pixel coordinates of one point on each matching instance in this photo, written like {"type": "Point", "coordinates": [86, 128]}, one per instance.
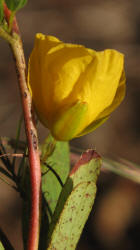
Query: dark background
{"type": "Point", "coordinates": [98, 24]}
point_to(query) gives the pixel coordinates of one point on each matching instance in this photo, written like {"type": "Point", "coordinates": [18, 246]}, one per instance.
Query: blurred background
{"type": "Point", "coordinates": [114, 222]}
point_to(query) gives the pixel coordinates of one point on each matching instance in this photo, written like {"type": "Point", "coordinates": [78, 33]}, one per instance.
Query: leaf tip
{"type": "Point", "coordinates": [87, 156]}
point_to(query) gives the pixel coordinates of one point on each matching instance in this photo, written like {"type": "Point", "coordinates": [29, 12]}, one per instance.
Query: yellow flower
{"type": "Point", "coordinates": [74, 89]}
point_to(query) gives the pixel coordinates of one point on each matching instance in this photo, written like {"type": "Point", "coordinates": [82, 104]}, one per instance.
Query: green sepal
{"type": "Point", "coordinates": [75, 203]}
{"type": "Point", "coordinates": [67, 125]}
{"type": "Point", "coordinates": [15, 5]}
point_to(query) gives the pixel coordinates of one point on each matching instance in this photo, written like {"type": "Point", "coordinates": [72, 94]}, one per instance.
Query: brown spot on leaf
{"type": "Point", "coordinates": [73, 207]}
{"type": "Point", "coordinates": [87, 195]}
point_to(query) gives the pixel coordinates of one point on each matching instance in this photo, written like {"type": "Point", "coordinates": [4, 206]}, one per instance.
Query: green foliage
{"type": "Point", "coordinates": [55, 170]}
{"type": "Point", "coordinates": [15, 5]}
{"type": "Point", "coordinates": [68, 223]}
{"type": "Point", "coordinates": [1, 11]}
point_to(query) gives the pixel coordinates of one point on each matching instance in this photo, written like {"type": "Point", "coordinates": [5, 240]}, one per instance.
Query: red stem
{"type": "Point", "coordinates": [31, 133]}
{"type": "Point", "coordinates": [34, 159]}
{"type": "Point", "coordinates": [15, 42]}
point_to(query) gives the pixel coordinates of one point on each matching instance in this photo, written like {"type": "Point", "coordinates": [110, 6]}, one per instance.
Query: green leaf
{"type": "Point", "coordinates": [70, 220]}
{"type": "Point", "coordinates": [58, 169]}
{"type": "Point", "coordinates": [55, 170]}
{"type": "Point", "coordinates": [15, 5]}
{"type": "Point", "coordinates": [1, 246]}
{"type": "Point", "coordinates": [1, 11]}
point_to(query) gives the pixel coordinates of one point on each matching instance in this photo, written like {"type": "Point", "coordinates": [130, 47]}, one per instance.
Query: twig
{"type": "Point", "coordinates": [34, 160]}
{"type": "Point", "coordinates": [12, 155]}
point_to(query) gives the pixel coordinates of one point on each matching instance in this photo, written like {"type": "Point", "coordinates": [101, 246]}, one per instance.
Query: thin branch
{"type": "Point", "coordinates": [12, 155]}
{"type": "Point", "coordinates": [31, 133]}
{"type": "Point", "coordinates": [34, 159]}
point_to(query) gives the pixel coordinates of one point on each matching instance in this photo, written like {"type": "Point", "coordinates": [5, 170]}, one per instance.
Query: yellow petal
{"type": "Point", "coordinates": [119, 96]}
{"type": "Point", "coordinates": [53, 73]}
{"type": "Point", "coordinates": [100, 82]}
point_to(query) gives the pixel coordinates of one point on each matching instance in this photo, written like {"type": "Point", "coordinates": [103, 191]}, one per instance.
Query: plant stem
{"type": "Point", "coordinates": [34, 159]}
{"type": "Point", "coordinates": [31, 133]}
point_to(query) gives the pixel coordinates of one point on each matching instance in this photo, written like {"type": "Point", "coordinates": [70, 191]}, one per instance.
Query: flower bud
{"type": "Point", "coordinates": [74, 89]}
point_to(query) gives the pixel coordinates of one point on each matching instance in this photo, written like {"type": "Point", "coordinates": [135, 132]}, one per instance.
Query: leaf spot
{"type": "Point", "coordinates": [87, 195]}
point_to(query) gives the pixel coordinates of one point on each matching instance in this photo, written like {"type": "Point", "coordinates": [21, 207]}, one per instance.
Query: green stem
{"type": "Point", "coordinates": [5, 35]}
{"type": "Point", "coordinates": [31, 133]}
